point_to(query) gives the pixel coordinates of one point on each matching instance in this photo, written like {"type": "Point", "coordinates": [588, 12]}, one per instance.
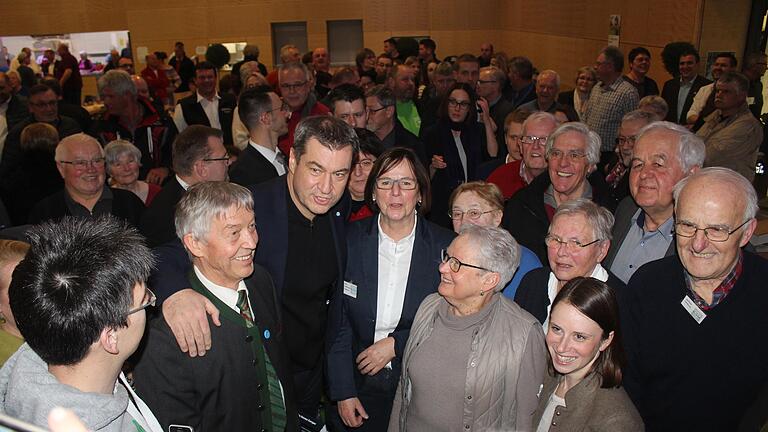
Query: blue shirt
{"type": "Point", "coordinates": [640, 247]}
{"type": "Point", "coordinates": [528, 262]}
{"type": "Point", "coordinates": [685, 88]}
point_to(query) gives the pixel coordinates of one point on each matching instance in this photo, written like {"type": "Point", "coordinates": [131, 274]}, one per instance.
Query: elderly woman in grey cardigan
{"type": "Point", "coordinates": [581, 391]}
{"type": "Point", "coordinates": [474, 360]}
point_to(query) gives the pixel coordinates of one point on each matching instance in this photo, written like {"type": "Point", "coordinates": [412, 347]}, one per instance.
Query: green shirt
{"type": "Point", "coordinates": [409, 116]}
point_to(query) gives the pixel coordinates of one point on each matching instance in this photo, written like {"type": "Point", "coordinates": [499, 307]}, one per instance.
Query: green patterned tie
{"type": "Point", "coordinates": [275, 394]}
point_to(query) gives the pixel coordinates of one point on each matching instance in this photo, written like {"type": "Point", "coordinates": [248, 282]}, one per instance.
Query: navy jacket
{"type": "Point", "coordinates": [353, 320]}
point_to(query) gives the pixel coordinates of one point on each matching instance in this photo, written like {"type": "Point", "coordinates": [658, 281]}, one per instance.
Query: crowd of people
{"type": "Point", "coordinates": [401, 244]}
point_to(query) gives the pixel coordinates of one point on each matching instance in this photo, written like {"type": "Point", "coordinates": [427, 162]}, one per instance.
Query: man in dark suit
{"type": "Point", "coordinates": [679, 91]}
{"type": "Point", "coordinates": [383, 121]}
{"type": "Point", "coordinates": [265, 116]}
{"type": "Point", "coordinates": [198, 156]}
{"type": "Point", "coordinates": [644, 221]}
{"type": "Point", "coordinates": [302, 231]}
{"type": "Point", "coordinates": [235, 386]}
{"type": "Point", "coordinates": [183, 65]}
{"type": "Point", "coordinates": [489, 87]}
{"type": "Point", "coordinates": [206, 107]}
{"type": "Point", "coordinates": [80, 160]}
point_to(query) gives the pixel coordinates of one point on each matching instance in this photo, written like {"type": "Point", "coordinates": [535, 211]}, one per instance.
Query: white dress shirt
{"type": "Point", "coordinates": [394, 266]}
{"type": "Point", "coordinates": [598, 273]}
{"type": "Point", "coordinates": [211, 109]}
{"type": "Point", "coordinates": [184, 185]}
{"type": "Point", "coordinates": [271, 155]}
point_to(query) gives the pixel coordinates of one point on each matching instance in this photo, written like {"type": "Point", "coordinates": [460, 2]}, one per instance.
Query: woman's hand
{"type": "Point", "coordinates": [352, 412]}
{"type": "Point", "coordinates": [376, 356]}
{"type": "Point", "coordinates": [438, 162]}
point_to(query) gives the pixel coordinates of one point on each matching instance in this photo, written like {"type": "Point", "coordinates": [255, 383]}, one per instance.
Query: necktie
{"type": "Point", "coordinates": [280, 158]}
{"type": "Point", "coordinates": [275, 394]}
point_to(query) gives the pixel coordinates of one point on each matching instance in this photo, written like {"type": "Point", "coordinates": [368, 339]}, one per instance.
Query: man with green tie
{"type": "Point", "coordinates": [243, 381]}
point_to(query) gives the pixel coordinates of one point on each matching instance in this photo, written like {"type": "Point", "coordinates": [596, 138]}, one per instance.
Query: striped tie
{"type": "Point", "coordinates": [275, 393]}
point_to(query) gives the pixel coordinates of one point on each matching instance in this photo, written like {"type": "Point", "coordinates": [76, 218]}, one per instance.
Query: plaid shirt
{"type": "Point", "coordinates": [725, 287]}
{"type": "Point", "coordinates": [606, 106]}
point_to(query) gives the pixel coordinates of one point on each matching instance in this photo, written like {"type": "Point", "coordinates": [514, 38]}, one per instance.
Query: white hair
{"type": "Point", "coordinates": [495, 250]}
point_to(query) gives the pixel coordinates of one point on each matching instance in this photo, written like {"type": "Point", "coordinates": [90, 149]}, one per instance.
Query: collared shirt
{"type": "Point", "coordinates": [606, 106]}
{"type": "Point", "coordinates": [103, 205]}
{"type": "Point", "coordinates": [598, 273]}
{"type": "Point", "coordinates": [460, 151]}
{"type": "Point", "coordinates": [275, 157]}
{"type": "Point", "coordinates": [550, 203]}
{"type": "Point", "coordinates": [394, 267]}
{"type": "Point", "coordinates": [210, 107]}
{"type": "Point", "coordinates": [685, 88]}
{"type": "Point", "coordinates": [722, 290]}
{"type": "Point", "coordinates": [640, 247]}
{"type": "Point", "coordinates": [700, 100]}
{"type": "Point", "coordinates": [183, 184]}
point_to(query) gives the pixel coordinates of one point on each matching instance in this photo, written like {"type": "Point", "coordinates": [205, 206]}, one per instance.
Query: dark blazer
{"type": "Point", "coordinates": [157, 223]}
{"type": "Point", "coordinates": [621, 225]}
{"type": "Point", "coordinates": [670, 91]}
{"type": "Point", "coordinates": [17, 111]}
{"type": "Point", "coordinates": [76, 112]}
{"type": "Point", "coordinates": [195, 115]}
{"type": "Point", "coordinates": [270, 208]}
{"type": "Point", "coordinates": [217, 391]}
{"type": "Point", "coordinates": [566, 98]}
{"type": "Point", "coordinates": [251, 167]}
{"type": "Point", "coordinates": [125, 205]}
{"type": "Point", "coordinates": [532, 293]}
{"type": "Point", "coordinates": [404, 138]}
{"type": "Point", "coordinates": [355, 318]}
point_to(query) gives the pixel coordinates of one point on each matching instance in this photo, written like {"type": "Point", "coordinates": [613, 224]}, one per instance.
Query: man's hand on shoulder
{"type": "Point", "coordinates": [185, 312]}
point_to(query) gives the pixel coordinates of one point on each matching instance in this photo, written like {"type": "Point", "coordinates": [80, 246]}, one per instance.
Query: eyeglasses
{"type": "Point", "coordinates": [573, 155]}
{"type": "Point", "coordinates": [472, 214]}
{"type": "Point", "coordinates": [713, 233]}
{"type": "Point", "coordinates": [224, 158]}
{"type": "Point", "coordinates": [387, 183]}
{"type": "Point", "coordinates": [81, 164]}
{"type": "Point", "coordinates": [292, 87]}
{"type": "Point", "coordinates": [149, 300]}
{"type": "Point", "coordinates": [534, 140]}
{"type": "Point", "coordinates": [571, 245]}
{"type": "Point", "coordinates": [454, 264]}
{"type": "Point", "coordinates": [367, 164]}
{"type": "Point", "coordinates": [375, 110]}
{"type": "Point", "coordinates": [623, 140]}
{"type": "Point", "coordinates": [51, 104]}
{"type": "Point", "coordinates": [126, 66]}
{"type": "Point", "coordinates": [453, 103]}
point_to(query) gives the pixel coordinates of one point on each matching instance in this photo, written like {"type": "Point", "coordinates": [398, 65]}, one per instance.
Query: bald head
{"type": "Point", "coordinates": [142, 89]}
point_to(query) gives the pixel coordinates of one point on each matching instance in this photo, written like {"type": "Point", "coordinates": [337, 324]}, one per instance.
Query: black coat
{"type": "Point", "coordinates": [157, 223]}
{"type": "Point", "coordinates": [125, 205]}
{"type": "Point", "coordinates": [532, 294]}
{"type": "Point", "coordinates": [217, 391]}
{"type": "Point", "coordinates": [17, 111]}
{"type": "Point", "coordinates": [670, 91]}
{"type": "Point", "coordinates": [195, 115]}
{"type": "Point", "coordinates": [251, 168]}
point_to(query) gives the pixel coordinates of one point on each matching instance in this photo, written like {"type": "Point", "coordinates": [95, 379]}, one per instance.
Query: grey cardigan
{"type": "Point", "coordinates": [506, 363]}
{"type": "Point", "coordinates": [589, 408]}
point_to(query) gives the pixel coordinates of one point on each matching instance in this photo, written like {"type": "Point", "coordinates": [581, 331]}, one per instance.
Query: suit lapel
{"type": "Point", "coordinates": [370, 268]}
{"type": "Point", "coordinates": [423, 267]}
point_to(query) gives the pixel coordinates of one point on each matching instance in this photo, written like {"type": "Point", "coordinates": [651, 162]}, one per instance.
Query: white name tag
{"type": "Point", "coordinates": [350, 289]}
{"type": "Point", "coordinates": [697, 314]}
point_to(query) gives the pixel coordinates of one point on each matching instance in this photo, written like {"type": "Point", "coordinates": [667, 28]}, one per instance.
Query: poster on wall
{"type": "Point", "coordinates": [614, 30]}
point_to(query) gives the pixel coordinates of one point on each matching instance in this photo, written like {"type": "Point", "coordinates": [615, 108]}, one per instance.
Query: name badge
{"type": "Point", "coordinates": [350, 289]}
{"type": "Point", "coordinates": [697, 314]}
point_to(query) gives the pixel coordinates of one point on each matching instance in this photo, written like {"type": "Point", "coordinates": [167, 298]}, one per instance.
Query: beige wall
{"type": "Point", "coordinates": [557, 34]}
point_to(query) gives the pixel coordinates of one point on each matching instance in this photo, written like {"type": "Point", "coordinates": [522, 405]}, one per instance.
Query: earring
{"type": "Point", "coordinates": [482, 293]}
{"type": "Point", "coordinates": [373, 198]}
{"type": "Point", "coordinates": [3, 320]}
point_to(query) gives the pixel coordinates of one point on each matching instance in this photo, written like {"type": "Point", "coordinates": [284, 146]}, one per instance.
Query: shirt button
{"type": "Point", "coordinates": [249, 338]}
{"type": "Point", "coordinates": [469, 397]}
{"type": "Point", "coordinates": [466, 426]}
{"type": "Point", "coordinates": [255, 362]}
{"type": "Point", "coordinates": [260, 407]}
{"type": "Point", "coordinates": [554, 423]}
{"type": "Point", "coordinates": [472, 364]}
{"type": "Point", "coordinates": [557, 412]}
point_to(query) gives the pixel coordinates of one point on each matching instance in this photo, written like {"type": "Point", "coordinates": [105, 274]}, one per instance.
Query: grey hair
{"type": "Point", "coordinates": [251, 50]}
{"type": "Point", "coordinates": [539, 116]}
{"type": "Point", "coordinates": [498, 74]}
{"type": "Point", "coordinates": [691, 149]}
{"type": "Point", "coordinates": [63, 146]}
{"type": "Point", "coordinates": [552, 73]}
{"type": "Point", "coordinates": [646, 117]}
{"type": "Point", "coordinates": [656, 104]}
{"type": "Point", "coordinates": [247, 69]}
{"type": "Point", "coordinates": [496, 250]}
{"type": "Point", "coordinates": [383, 94]}
{"type": "Point", "coordinates": [444, 69]}
{"type": "Point", "coordinates": [598, 218]}
{"type": "Point", "coordinates": [115, 149]}
{"type": "Point", "coordinates": [592, 139]}
{"type": "Point", "coordinates": [738, 183]}
{"type": "Point", "coordinates": [294, 65]}
{"type": "Point", "coordinates": [118, 81]}
{"type": "Point", "coordinates": [205, 201]}
{"type": "Point", "coordinates": [733, 77]}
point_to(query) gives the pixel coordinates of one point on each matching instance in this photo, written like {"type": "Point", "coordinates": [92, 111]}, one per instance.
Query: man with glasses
{"type": "Point", "coordinates": [383, 121]}
{"type": "Point", "coordinates": [402, 82]}
{"type": "Point", "coordinates": [295, 83]}
{"type": "Point", "coordinates": [199, 156]}
{"type": "Point", "coordinates": [144, 123]}
{"type": "Point", "coordinates": [489, 87]}
{"type": "Point", "coordinates": [515, 175]}
{"type": "Point", "coordinates": [664, 153]}
{"type": "Point", "coordinates": [690, 321]}
{"type": "Point", "coordinates": [206, 107]}
{"type": "Point", "coordinates": [80, 161]}
{"type": "Point", "coordinates": [265, 116]}
{"type": "Point", "coordinates": [43, 108]}
{"type": "Point", "coordinates": [244, 381]}
{"type": "Point", "coordinates": [383, 65]}
{"type": "Point", "coordinates": [80, 300]}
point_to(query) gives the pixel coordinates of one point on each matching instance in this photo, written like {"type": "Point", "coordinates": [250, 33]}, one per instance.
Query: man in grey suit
{"type": "Point", "coordinates": [664, 154]}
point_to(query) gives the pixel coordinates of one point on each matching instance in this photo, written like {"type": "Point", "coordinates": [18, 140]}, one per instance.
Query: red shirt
{"type": "Point", "coordinates": [507, 178]}
{"type": "Point", "coordinates": [286, 141]}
